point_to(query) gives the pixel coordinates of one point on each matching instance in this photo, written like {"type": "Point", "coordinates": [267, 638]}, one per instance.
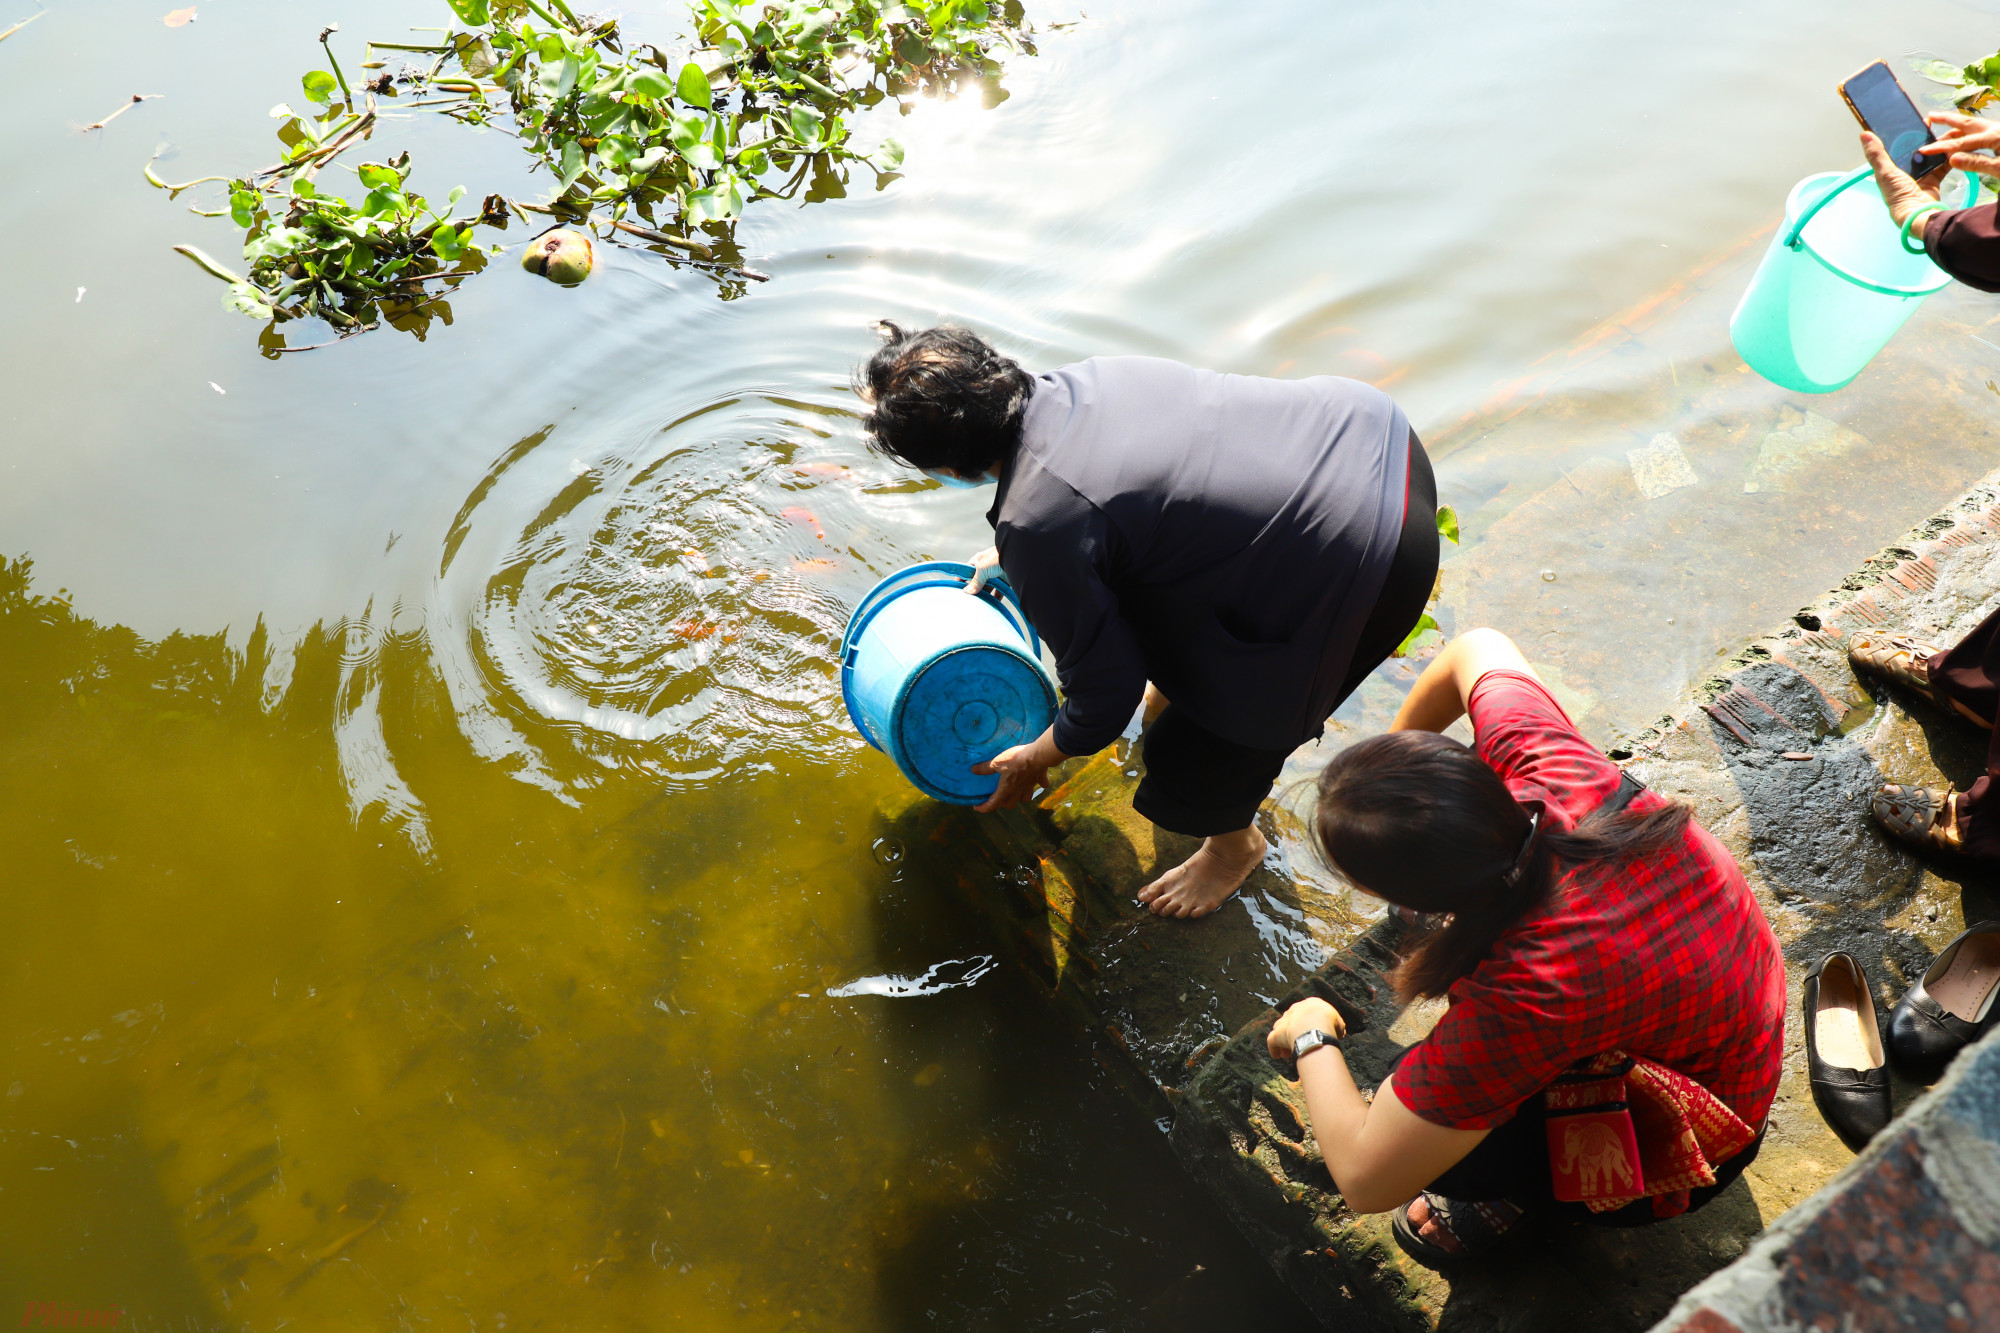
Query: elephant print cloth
{"type": "Point", "coordinates": [1622, 1129]}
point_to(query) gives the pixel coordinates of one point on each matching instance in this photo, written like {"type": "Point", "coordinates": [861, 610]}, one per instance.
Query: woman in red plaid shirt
{"type": "Point", "coordinates": [1586, 919]}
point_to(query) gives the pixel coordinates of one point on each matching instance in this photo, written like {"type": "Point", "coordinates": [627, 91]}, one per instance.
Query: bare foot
{"type": "Point", "coordinates": [1205, 881]}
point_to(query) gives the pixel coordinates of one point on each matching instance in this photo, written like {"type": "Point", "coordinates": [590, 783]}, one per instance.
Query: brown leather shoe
{"type": "Point", "coordinates": [1924, 817]}
{"type": "Point", "coordinates": [1903, 661]}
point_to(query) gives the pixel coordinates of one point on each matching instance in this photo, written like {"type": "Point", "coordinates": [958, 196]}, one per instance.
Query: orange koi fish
{"type": "Point", "coordinates": [805, 519]}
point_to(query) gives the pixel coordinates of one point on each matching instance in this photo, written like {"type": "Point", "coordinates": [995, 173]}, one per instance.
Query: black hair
{"type": "Point", "coordinates": [1419, 820]}
{"type": "Point", "coordinates": [943, 398]}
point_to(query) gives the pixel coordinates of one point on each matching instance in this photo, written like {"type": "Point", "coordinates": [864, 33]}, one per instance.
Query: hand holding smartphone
{"type": "Point", "coordinates": [1886, 111]}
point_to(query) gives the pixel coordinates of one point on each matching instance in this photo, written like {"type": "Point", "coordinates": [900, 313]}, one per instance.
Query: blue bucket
{"type": "Point", "coordinates": [940, 681]}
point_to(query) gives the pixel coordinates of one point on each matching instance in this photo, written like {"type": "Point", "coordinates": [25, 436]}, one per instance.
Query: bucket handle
{"type": "Point", "coordinates": [1004, 591]}
{"type": "Point", "coordinates": [1794, 240]}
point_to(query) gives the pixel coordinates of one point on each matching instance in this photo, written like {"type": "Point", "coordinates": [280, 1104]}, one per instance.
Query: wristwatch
{"type": "Point", "coordinates": [1311, 1041]}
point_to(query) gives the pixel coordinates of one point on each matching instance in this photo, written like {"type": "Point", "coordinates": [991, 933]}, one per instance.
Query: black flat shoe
{"type": "Point", "coordinates": [1844, 1062]}
{"type": "Point", "coordinates": [1951, 1007]}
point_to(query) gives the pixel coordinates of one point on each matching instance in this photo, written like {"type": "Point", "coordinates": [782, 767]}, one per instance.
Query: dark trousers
{"type": "Point", "coordinates": [1513, 1163]}
{"type": "Point", "coordinates": [1970, 674]}
{"type": "Point", "coordinates": [1199, 784]}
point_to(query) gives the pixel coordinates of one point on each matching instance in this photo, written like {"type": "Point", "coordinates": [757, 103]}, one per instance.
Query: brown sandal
{"type": "Point", "coordinates": [1902, 660]}
{"type": "Point", "coordinates": [1921, 816]}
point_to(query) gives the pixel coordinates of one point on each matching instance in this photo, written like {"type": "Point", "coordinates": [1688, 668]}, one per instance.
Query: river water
{"type": "Point", "coordinates": [443, 890]}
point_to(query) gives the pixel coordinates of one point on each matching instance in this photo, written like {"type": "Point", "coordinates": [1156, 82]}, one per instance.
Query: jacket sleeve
{"type": "Point", "coordinates": [1060, 567]}
{"type": "Point", "coordinates": [1965, 242]}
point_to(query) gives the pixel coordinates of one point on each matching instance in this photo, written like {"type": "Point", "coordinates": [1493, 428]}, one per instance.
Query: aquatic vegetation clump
{"type": "Point", "coordinates": [1975, 82]}
{"type": "Point", "coordinates": [651, 142]}
{"type": "Point", "coordinates": [313, 253]}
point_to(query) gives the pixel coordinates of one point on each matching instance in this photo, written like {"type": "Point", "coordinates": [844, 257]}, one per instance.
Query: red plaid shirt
{"type": "Point", "coordinates": [1668, 957]}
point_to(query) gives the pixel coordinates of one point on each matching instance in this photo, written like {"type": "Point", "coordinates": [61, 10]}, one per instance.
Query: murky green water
{"type": "Point", "coordinates": [430, 828]}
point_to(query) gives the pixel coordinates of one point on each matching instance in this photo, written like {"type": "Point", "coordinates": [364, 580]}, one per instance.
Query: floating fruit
{"type": "Point", "coordinates": [562, 256]}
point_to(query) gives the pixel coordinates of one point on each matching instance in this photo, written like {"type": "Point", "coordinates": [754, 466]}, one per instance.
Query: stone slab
{"type": "Point", "coordinates": [1180, 1008]}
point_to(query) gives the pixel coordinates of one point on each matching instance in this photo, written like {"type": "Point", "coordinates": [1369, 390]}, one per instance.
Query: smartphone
{"type": "Point", "coordinates": [1881, 105]}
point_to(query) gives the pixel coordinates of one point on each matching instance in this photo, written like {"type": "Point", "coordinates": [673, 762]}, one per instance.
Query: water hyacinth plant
{"type": "Point", "coordinates": [1975, 82]}
{"type": "Point", "coordinates": [653, 142]}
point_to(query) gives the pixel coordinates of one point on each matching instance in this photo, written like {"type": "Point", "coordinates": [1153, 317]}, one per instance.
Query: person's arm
{"type": "Point", "coordinates": [1442, 694]}
{"type": "Point", "coordinates": [1380, 1154]}
{"type": "Point", "coordinates": [1058, 568]}
{"type": "Point", "coordinates": [1902, 192]}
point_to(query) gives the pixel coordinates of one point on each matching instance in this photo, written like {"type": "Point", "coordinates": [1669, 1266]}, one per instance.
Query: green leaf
{"type": "Point", "coordinates": [754, 160]}
{"type": "Point", "coordinates": [1425, 624]}
{"type": "Point", "coordinates": [812, 33]}
{"type": "Point", "coordinates": [379, 202]}
{"type": "Point", "coordinates": [808, 126]}
{"type": "Point", "coordinates": [572, 166]}
{"type": "Point", "coordinates": [1942, 71]}
{"type": "Point", "coordinates": [457, 193]}
{"type": "Point", "coordinates": [888, 157]}
{"type": "Point", "coordinates": [243, 206]}
{"type": "Point", "coordinates": [320, 86]}
{"type": "Point", "coordinates": [692, 87]}
{"type": "Point", "coordinates": [651, 83]}
{"type": "Point", "coordinates": [244, 298]}
{"type": "Point", "coordinates": [473, 12]}
{"type": "Point", "coordinates": [557, 79]}
{"type": "Point", "coordinates": [618, 150]}
{"type": "Point", "coordinates": [477, 56]}
{"type": "Point", "coordinates": [378, 177]}
{"type": "Point", "coordinates": [1448, 524]}
{"type": "Point", "coordinates": [686, 131]}
{"type": "Point", "coordinates": [551, 48]}
{"type": "Point", "coordinates": [449, 244]}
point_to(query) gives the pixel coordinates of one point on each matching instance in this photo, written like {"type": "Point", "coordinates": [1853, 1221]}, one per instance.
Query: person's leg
{"type": "Point", "coordinates": [1202, 785]}
{"type": "Point", "coordinates": [1206, 787]}
{"type": "Point", "coordinates": [1964, 679]}
{"type": "Point", "coordinates": [1412, 575]}
{"type": "Point", "coordinates": [1484, 1196]}
{"type": "Point", "coordinates": [1969, 677]}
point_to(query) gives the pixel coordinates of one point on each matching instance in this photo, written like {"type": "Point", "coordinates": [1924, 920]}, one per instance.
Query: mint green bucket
{"type": "Point", "coordinates": [1836, 283]}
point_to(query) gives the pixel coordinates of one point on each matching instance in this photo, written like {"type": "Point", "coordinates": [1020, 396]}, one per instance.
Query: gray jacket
{"type": "Point", "coordinates": [1224, 536]}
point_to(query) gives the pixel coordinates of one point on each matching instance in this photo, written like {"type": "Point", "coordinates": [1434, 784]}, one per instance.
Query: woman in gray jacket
{"type": "Point", "coordinates": [1252, 547]}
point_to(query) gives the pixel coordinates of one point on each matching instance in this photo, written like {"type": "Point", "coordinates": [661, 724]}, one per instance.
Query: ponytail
{"type": "Point", "coordinates": [1419, 820]}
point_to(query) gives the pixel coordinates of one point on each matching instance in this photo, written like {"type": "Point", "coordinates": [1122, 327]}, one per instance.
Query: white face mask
{"type": "Point", "coordinates": [957, 482]}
